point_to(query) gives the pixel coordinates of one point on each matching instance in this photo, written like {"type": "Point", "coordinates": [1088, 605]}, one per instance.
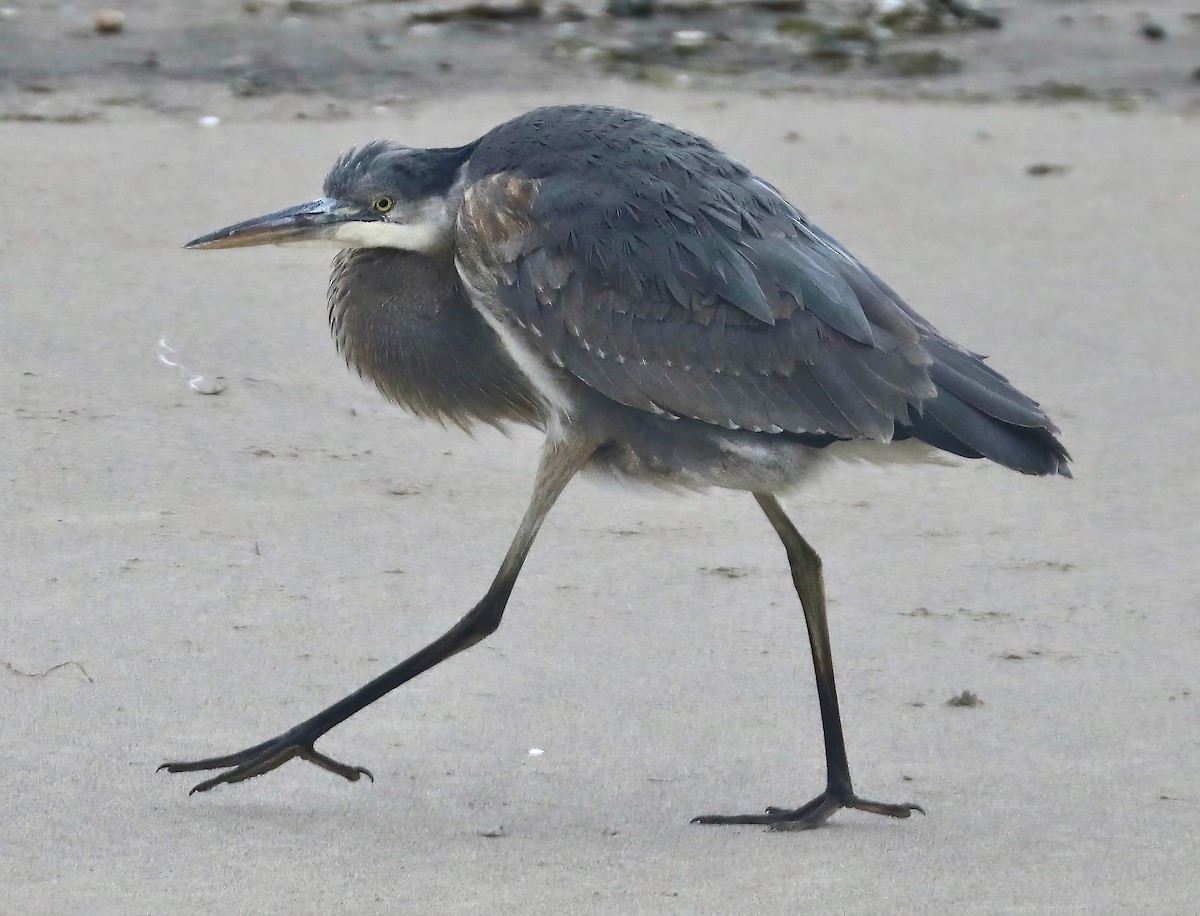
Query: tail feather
{"type": "Point", "coordinates": [981, 386]}
{"type": "Point", "coordinates": [977, 413]}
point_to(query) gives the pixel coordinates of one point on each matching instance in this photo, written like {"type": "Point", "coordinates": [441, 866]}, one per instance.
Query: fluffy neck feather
{"type": "Point", "coordinates": [401, 319]}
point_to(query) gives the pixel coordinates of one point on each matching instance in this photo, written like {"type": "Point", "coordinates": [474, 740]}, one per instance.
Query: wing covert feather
{"type": "Point", "coordinates": [682, 284]}
{"type": "Point", "coordinates": [650, 329]}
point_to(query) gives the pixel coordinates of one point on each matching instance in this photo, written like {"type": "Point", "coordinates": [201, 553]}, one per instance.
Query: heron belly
{"type": "Point", "coordinates": [690, 454]}
{"type": "Point", "coordinates": [898, 451]}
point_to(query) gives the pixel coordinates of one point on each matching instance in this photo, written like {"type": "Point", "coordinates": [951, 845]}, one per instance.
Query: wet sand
{"type": "Point", "coordinates": [187, 574]}
{"type": "Point", "coordinates": [54, 65]}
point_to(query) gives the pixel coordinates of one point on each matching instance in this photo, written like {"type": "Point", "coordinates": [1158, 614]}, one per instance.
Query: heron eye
{"type": "Point", "coordinates": [383, 204]}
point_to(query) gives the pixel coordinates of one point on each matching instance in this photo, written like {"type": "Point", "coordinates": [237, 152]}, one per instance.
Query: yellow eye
{"type": "Point", "coordinates": [383, 204]}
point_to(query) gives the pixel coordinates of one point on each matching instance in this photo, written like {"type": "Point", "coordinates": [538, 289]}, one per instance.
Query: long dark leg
{"type": "Point", "coordinates": [559, 464]}
{"type": "Point", "coordinates": [839, 792]}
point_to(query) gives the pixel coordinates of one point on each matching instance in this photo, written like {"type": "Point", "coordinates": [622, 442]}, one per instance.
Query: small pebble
{"type": "Point", "coordinates": [1153, 31]}
{"type": "Point", "coordinates": [209, 387]}
{"type": "Point", "coordinates": [536, 752]}
{"type": "Point", "coordinates": [1041, 169]}
{"type": "Point", "coordinates": [691, 39]}
{"type": "Point", "coordinates": [965, 699]}
{"type": "Point", "coordinates": [314, 7]}
{"type": "Point", "coordinates": [630, 8]}
{"type": "Point", "coordinates": [109, 22]}
{"type": "Point", "coordinates": [209, 121]}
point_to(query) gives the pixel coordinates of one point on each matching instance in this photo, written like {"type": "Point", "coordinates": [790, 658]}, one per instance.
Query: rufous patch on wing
{"type": "Point", "coordinates": [498, 207]}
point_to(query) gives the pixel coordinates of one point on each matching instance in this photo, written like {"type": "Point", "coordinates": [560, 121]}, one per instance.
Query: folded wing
{"type": "Point", "coordinates": [686, 286]}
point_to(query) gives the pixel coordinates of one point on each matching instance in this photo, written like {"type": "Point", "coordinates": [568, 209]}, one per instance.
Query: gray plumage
{"type": "Point", "coordinates": [642, 263]}
{"type": "Point", "coordinates": [402, 320]}
{"type": "Point", "coordinates": [673, 281]}
{"type": "Point", "coordinates": [662, 314]}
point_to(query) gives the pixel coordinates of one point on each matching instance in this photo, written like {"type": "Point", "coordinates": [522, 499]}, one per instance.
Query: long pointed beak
{"type": "Point", "coordinates": [316, 219]}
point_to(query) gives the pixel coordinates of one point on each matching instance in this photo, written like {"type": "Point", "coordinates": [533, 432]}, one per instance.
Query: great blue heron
{"type": "Point", "coordinates": [660, 313]}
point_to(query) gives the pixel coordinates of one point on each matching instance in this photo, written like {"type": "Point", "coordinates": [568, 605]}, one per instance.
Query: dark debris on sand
{"type": "Point", "coordinates": [375, 49]}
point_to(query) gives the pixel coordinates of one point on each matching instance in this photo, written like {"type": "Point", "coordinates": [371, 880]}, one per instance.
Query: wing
{"type": "Point", "coordinates": [646, 264]}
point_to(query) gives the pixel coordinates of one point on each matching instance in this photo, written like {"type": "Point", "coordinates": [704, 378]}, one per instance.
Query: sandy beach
{"type": "Point", "coordinates": [184, 574]}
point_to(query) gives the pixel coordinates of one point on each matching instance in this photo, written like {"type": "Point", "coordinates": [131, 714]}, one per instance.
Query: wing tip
{"type": "Point", "coordinates": [950, 424]}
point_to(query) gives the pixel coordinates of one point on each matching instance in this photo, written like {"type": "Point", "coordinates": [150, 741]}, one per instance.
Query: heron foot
{"type": "Point", "coordinates": [813, 814]}
{"type": "Point", "coordinates": [262, 758]}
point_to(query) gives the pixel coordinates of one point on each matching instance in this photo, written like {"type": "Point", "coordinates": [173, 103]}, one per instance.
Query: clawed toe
{"type": "Point", "coordinates": [813, 814]}
{"type": "Point", "coordinates": [346, 771]}
{"type": "Point", "coordinates": [260, 759]}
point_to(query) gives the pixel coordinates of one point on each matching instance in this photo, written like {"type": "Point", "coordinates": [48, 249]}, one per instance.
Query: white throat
{"type": "Point", "coordinates": [427, 229]}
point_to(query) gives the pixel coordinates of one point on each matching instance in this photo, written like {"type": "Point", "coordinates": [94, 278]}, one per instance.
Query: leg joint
{"type": "Point", "coordinates": [484, 619]}
{"type": "Point", "coordinates": [801, 554]}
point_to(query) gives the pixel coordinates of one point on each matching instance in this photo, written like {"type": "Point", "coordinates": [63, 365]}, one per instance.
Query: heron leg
{"type": "Point", "coordinates": [807, 577]}
{"type": "Point", "coordinates": [559, 463]}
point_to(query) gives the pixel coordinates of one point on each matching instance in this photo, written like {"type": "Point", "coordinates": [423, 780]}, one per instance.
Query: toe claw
{"type": "Point", "coordinates": [262, 758]}
{"type": "Point", "coordinates": [812, 814]}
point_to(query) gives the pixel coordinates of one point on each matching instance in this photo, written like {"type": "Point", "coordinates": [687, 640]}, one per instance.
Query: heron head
{"type": "Point", "coordinates": [381, 195]}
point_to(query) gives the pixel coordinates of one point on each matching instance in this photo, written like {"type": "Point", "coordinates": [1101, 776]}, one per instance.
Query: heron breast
{"type": "Point", "coordinates": [401, 319]}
